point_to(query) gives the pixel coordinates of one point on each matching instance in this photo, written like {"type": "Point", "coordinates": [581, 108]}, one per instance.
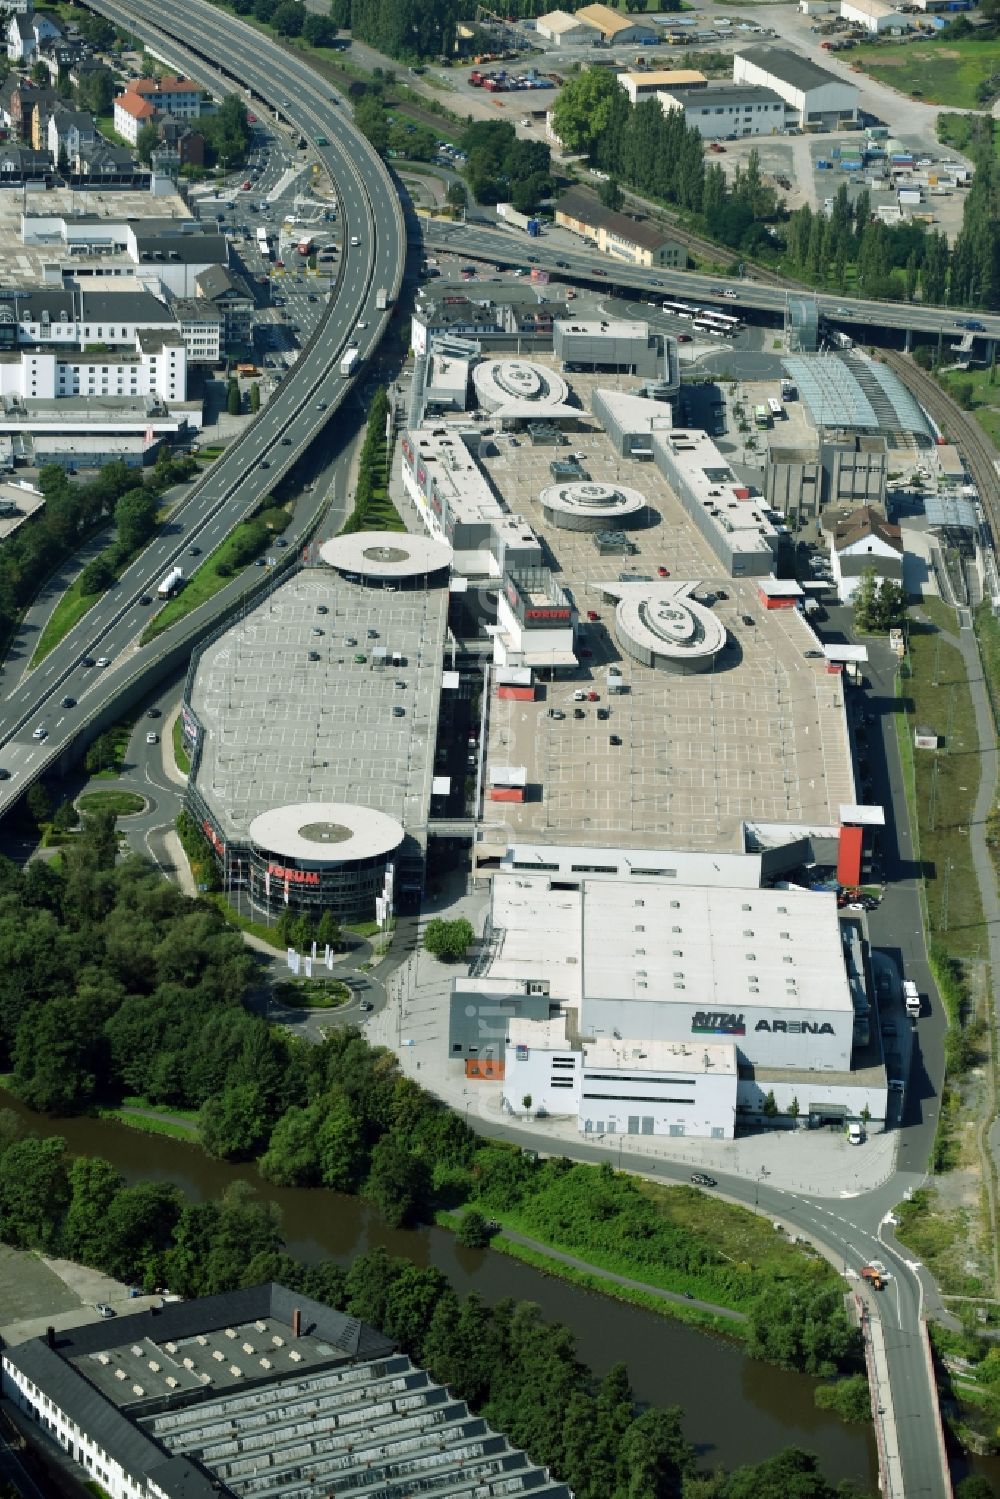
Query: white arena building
{"type": "Point", "coordinates": [648, 1007]}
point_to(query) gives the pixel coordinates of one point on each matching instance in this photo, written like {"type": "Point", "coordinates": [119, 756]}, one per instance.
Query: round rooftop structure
{"type": "Point", "coordinates": [517, 383]}
{"type": "Point", "coordinates": [662, 626]}
{"type": "Point", "coordinates": [330, 833]}
{"type": "Point", "coordinates": [589, 506]}
{"type": "Point", "coordinates": [387, 556]}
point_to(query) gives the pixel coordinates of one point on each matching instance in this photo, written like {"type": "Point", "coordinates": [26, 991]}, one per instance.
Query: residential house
{"type": "Point", "coordinates": [178, 97]}
{"type": "Point", "coordinates": [21, 44]}
{"type": "Point", "coordinates": [69, 130]}
{"type": "Point", "coordinates": [231, 296]}
{"type": "Point", "coordinates": [202, 328]}
{"type": "Point", "coordinates": [99, 161]}
{"type": "Point", "coordinates": [861, 541]}
{"type": "Point", "coordinates": [187, 144]}
{"type": "Point", "coordinates": [131, 114]}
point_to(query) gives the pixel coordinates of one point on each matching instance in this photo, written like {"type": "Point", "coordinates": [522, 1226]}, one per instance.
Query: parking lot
{"type": "Point", "coordinates": [282, 727]}
{"type": "Point", "coordinates": [762, 738]}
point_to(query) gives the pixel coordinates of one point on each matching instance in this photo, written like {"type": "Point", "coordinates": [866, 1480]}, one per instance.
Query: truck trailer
{"type": "Point", "coordinates": [172, 583]}
{"type": "Point", "coordinates": [350, 361]}
{"type": "Point", "coordinates": [381, 299]}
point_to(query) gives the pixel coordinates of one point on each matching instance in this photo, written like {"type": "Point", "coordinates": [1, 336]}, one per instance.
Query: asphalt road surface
{"type": "Point", "coordinates": [370, 214]}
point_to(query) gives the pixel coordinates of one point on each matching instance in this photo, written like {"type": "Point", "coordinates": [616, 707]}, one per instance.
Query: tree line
{"type": "Point", "coordinates": [659, 156]}
{"type": "Point", "coordinates": [72, 513]}
{"type": "Point", "coordinates": [520, 1372]}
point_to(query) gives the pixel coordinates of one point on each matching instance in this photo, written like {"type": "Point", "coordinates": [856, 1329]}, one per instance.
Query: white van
{"type": "Point", "coordinates": [855, 1134]}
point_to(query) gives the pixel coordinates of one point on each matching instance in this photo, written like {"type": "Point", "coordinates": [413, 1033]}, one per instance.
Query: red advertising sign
{"type": "Point", "coordinates": [546, 615]}
{"type": "Point", "coordinates": [294, 876]}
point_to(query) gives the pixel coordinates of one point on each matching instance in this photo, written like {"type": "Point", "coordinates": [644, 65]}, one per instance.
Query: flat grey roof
{"type": "Point", "coordinates": [729, 93]}
{"type": "Point", "coordinates": [791, 67]}
{"type": "Point", "coordinates": [282, 730]}
{"type": "Point", "coordinates": [230, 1397]}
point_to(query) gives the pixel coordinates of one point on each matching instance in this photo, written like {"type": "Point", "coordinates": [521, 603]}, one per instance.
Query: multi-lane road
{"type": "Point", "coordinates": [508, 247]}
{"type": "Point", "coordinates": [373, 256]}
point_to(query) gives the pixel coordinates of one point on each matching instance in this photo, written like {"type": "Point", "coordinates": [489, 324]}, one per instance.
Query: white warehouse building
{"type": "Point", "coordinates": [647, 1007]}
{"type": "Point", "coordinates": [821, 100]}
{"type": "Point", "coordinates": [875, 16]}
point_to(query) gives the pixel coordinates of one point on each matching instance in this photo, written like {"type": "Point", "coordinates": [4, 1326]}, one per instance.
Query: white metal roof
{"type": "Point", "coordinates": [381, 554]}
{"type": "Point", "coordinates": [326, 832]}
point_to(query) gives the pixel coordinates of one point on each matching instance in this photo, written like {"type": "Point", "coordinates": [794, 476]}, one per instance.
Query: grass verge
{"type": "Point", "coordinates": [935, 691]}
{"type": "Point", "coordinates": [941, 70]}
{"type": "Point", "coordinates": [742, 1238]}
{"type": "Point", "coordinates": [268, 934]}
{"type": "Point", "coordinates": [70, 609]}
{"type": "Point", "coordinates": [105, 759]}
{"type": "Point", "coordinates": [181, 757]}
{"type": "Point", "coordinates": [156, 1125]}
{"type": "Point", "coordinates": [120, 803]}
{"type": "Point", "coordinates": [241, 546]}
{"type": "Point", "coordinates": [978, 392]}
{"type": "Point", "coordinates": [677, 1311]}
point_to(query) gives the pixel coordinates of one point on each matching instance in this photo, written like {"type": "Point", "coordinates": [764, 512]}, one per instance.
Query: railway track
{"type": "Point", "coordinates": [980, 454]}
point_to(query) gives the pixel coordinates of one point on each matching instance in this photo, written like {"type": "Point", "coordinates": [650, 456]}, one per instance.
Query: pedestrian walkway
{"type": "Point", "coordinates": [619, 1280]}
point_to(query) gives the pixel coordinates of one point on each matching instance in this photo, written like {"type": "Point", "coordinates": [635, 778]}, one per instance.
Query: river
{"type": "Point", "coordinates": [735, 1410]}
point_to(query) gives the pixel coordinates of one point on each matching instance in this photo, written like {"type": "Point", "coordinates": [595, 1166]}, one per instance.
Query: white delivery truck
{"type": "Point", "coordinates": [349, 363]}
{"type": "Point", "coordinates": [381, 299]}
{"type": "Point", "coordinates": [911, 998]}
{"type": "Point", "coordinates": [171, 583]}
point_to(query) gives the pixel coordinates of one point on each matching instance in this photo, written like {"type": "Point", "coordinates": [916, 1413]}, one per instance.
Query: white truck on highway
{"type": "Point", "coordinates": [349, 363]}
{"type": "Point", "coordinates": [911, 998]}
{"type": "Point", "coordinates": [381, 299]}
{"type": "Point", "coordinates": [171, 583]}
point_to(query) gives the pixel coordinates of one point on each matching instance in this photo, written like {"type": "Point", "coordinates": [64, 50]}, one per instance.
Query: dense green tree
{"type": "Point", "coordinates": [255, 397]}
{"type": "Point", "coordinates": [39, 803]}
{"type": "Point", "coordinates": [146, 142]}
{"type": "Point", "coordinates": [582, 112]}
{"type": "Point", "coordinates": [806, 1329]}
{"type": "Point", "coordinates": [398, 1182]}
{"type": "Point", "coordinates": [319, 31]}
{"type": "Point", "coordinates": [473, 1230]}
{"type": "Point", "coordinates": [288, 18]}
{"type": "Point", "coordinates": [34, 1192]}
{"type": "Point", "coordinates": [135, 518]}
{"type": "Point", "coordinates": [234, 401]}
{"type": "Point", "coordinates": [448, 940]}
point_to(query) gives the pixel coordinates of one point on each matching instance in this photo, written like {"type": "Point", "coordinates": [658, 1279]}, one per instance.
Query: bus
{"type": "Point", "coordinates": [263, 243]}
{"type": "Point", "coordinates": [680, 309]}
{"type": "Point", "coordinates": [722, 319]}
{"type": "Point", "coordinates": [775, 407]}
{"type": "Point", "coordinates": [709, 325]}
{"type": "Point", "coordinates": [761, 418]}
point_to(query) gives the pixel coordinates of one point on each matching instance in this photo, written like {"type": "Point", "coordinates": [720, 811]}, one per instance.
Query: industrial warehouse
{"type": "Point", "coordinates": [256, 1392]}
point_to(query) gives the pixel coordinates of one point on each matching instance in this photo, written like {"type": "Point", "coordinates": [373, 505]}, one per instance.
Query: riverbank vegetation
{"type": "Point", "coordinates": [113, 984]}
{"type": "Point", "coordinates": [522, 1373]}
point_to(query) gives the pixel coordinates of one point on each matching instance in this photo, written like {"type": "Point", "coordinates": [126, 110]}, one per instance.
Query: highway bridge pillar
{"type": "Point", "coordinates": [908, 341]}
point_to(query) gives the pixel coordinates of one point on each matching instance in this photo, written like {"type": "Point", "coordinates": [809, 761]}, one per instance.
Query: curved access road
{"type": "Point", "coordinates": [195, 37]}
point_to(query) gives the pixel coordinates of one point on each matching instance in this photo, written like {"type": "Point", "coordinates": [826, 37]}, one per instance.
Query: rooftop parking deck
{"type": "Point", "coordinates": [350, 726]}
